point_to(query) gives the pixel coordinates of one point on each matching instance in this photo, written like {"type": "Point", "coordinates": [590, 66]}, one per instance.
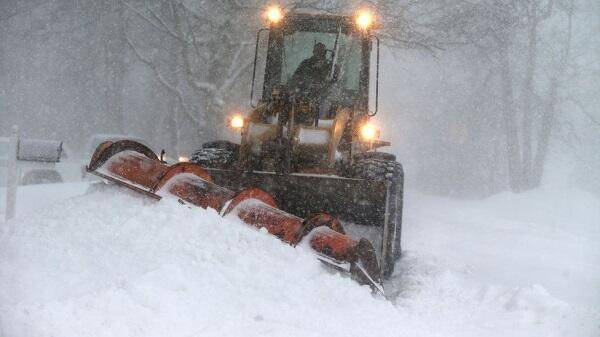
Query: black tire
{"type": "Point", "coordinates": [219, 154]}
{"type": "Point", "coordinates": [222, 144]}
{"type": "Point", "coordinates": [383, 166]}
{"type": "Point", "coordinates": [37, 177]}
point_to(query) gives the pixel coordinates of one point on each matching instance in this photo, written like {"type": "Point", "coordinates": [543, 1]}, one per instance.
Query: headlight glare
{"type": "Point", "coordinates": [364, 19]}
{"type": "Point", "coordinates": [274, 14]}
{"type": "Point", "coordinates": [369, 132]}
{"type": "Point", "coordinates": [237, 122]}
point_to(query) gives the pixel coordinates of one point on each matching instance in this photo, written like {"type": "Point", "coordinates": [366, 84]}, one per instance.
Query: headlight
{"type": "Point", "coordinates": [274, 14]}
{"type": "Point", "coordinates": [184, 159]}
{"type": "Point", "coordinates": [369, 132]}
{"type": "Point", "coordinates": [364, 19]}
{"type": "Point", "coordinates": [237, 122]}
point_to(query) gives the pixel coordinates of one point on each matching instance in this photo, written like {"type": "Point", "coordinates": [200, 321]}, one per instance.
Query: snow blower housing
{"type": "Point", "coordinates": [308, 141]}
{"type": "Point", "coordinates": [135, 166]}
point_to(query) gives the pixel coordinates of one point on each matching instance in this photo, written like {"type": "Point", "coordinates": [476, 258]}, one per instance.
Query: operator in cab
{"type": "Point", "coordinates": [312, 74]}
{"type": "Point", "coordinates": [312, 80]}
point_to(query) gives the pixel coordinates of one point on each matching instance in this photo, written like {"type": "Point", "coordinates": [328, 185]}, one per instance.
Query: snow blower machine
{"type": "Point", "coordinates": [307, 167]}
{"type": "Point", "coordinates": [309, 141]}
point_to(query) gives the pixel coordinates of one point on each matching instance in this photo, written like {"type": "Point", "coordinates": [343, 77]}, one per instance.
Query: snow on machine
{"type": "Point", "coordinates": [135, 166]}
{"type": "Point", "coordinates": [309, 142]}
{"type": "Point", "coordinates": [307, 155]}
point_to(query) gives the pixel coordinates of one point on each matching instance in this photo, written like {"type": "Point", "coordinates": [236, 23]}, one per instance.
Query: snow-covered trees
{"type": "Point", "coordinates": [520, 52]}
{"type": "Point", "coordinates": [206, 54]}
{"type": "Point", "coordinates": [514, 77]}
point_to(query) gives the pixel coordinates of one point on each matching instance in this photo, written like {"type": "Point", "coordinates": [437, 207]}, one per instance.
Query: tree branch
{"type": "Point", "coordinates": [162, 23]}
{"type": "Point", "coordinates": [584, 111]}
{"type": "Point", "coordinates": [151, 22]}
{"type": "Point", "coordinates": [170, 87]}
{"type": "Point", "coordinates": [547, 11]}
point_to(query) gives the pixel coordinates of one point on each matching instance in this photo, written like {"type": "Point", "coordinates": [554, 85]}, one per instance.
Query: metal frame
{"type": "Point", "coordinates": [254, 69]}
{"type": "Point", "coordinates": [376, 78]}
{"type": "Point", "coordinates": [382, 209]}
{"type": "Point", "coordinates": [275, 41]}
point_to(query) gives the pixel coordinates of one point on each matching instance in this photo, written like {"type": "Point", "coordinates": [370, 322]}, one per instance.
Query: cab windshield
{"type": "Point", "coordinates": [343, 56]}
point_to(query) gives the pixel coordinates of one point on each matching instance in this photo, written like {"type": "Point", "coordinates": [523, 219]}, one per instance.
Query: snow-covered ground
{"type": "Point", "coordinates": [112, 263]}
{"type": "Point", "coordinates": [31, 199]}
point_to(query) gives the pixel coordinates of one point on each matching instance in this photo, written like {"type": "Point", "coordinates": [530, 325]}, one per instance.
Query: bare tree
{"type": "Point", "coordinates": [507, 33]}
{"type": "Point", "coordinates": [211, 45]}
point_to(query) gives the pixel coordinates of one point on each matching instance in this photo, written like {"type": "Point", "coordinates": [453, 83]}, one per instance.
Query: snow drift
{"type": "Point", "coordinates": [112, 263]}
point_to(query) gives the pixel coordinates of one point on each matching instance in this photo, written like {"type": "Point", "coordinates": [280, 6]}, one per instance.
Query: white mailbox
{"type": "Point", "coordinates": [35, 157]}
{"type": "Point", "coordinates": [38, 150]}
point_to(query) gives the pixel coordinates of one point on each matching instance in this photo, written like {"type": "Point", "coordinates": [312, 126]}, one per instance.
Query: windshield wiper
{"type": "Point", "coordinates": [335, 53]}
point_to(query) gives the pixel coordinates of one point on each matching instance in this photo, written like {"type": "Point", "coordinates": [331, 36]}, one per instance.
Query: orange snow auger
{"type": "Point", "coordinates": [133, 165]}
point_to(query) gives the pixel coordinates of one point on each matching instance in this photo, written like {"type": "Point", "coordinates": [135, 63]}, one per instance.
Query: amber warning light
{"type": "Point", "coordinates": [364, 19]}
{"type": "Point", "coordinates": [237, 122]}
{"type": "Point", "coordinates": [274, 14]}
{"type": "Point", "coordinates": [369, 132]}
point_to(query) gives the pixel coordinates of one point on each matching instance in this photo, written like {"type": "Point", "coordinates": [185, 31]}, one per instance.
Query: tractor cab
{"type": "Point", "coordinates": [317, 85]}
{"type": "Point", "coordinates": [315, 93]}
{"type": "Point", "coordinates": [339, 78]}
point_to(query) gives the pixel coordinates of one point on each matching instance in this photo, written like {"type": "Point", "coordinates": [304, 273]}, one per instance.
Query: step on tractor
{"type": "Point", "coordinates": [307, 167]}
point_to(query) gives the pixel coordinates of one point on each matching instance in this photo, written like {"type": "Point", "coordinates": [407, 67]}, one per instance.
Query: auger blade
{"type": "Point", "coordinates": [133, 165]}
{"type": "Point", "coordinates": [356, 201]}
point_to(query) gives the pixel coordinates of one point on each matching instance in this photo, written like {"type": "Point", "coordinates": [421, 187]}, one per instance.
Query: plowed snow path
{"type": "Point", "coordinates": [111, 263]}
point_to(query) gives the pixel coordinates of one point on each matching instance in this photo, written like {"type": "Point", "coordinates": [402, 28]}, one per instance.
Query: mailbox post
{"type": "Point", "coordinates": [12, 175]}
{"type": "Point", "coordinates": [37, 153]}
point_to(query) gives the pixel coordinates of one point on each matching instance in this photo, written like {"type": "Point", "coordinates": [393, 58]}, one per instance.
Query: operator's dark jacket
{"type": "Point", "coordinates": [310, 73]}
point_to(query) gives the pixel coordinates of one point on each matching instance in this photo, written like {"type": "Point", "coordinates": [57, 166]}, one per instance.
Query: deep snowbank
{"type": "Point", "coordinates": [32, 198]}
{"type": "Point", "coordinates": [114, 264]}
{"type": "Point", "coordinates": [111, 263]}
{"type": "Point", "coordinates": [548, 237]}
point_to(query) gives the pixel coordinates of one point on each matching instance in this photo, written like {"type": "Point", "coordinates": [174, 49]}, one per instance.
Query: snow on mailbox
{"type": "Point", "coordinates": [39, 150]}
{"type": "Point", "coordinates": [33, 157]}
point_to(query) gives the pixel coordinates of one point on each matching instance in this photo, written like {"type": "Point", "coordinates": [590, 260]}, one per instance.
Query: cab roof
{"type": "Point", "coordinates": [317, 22]}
